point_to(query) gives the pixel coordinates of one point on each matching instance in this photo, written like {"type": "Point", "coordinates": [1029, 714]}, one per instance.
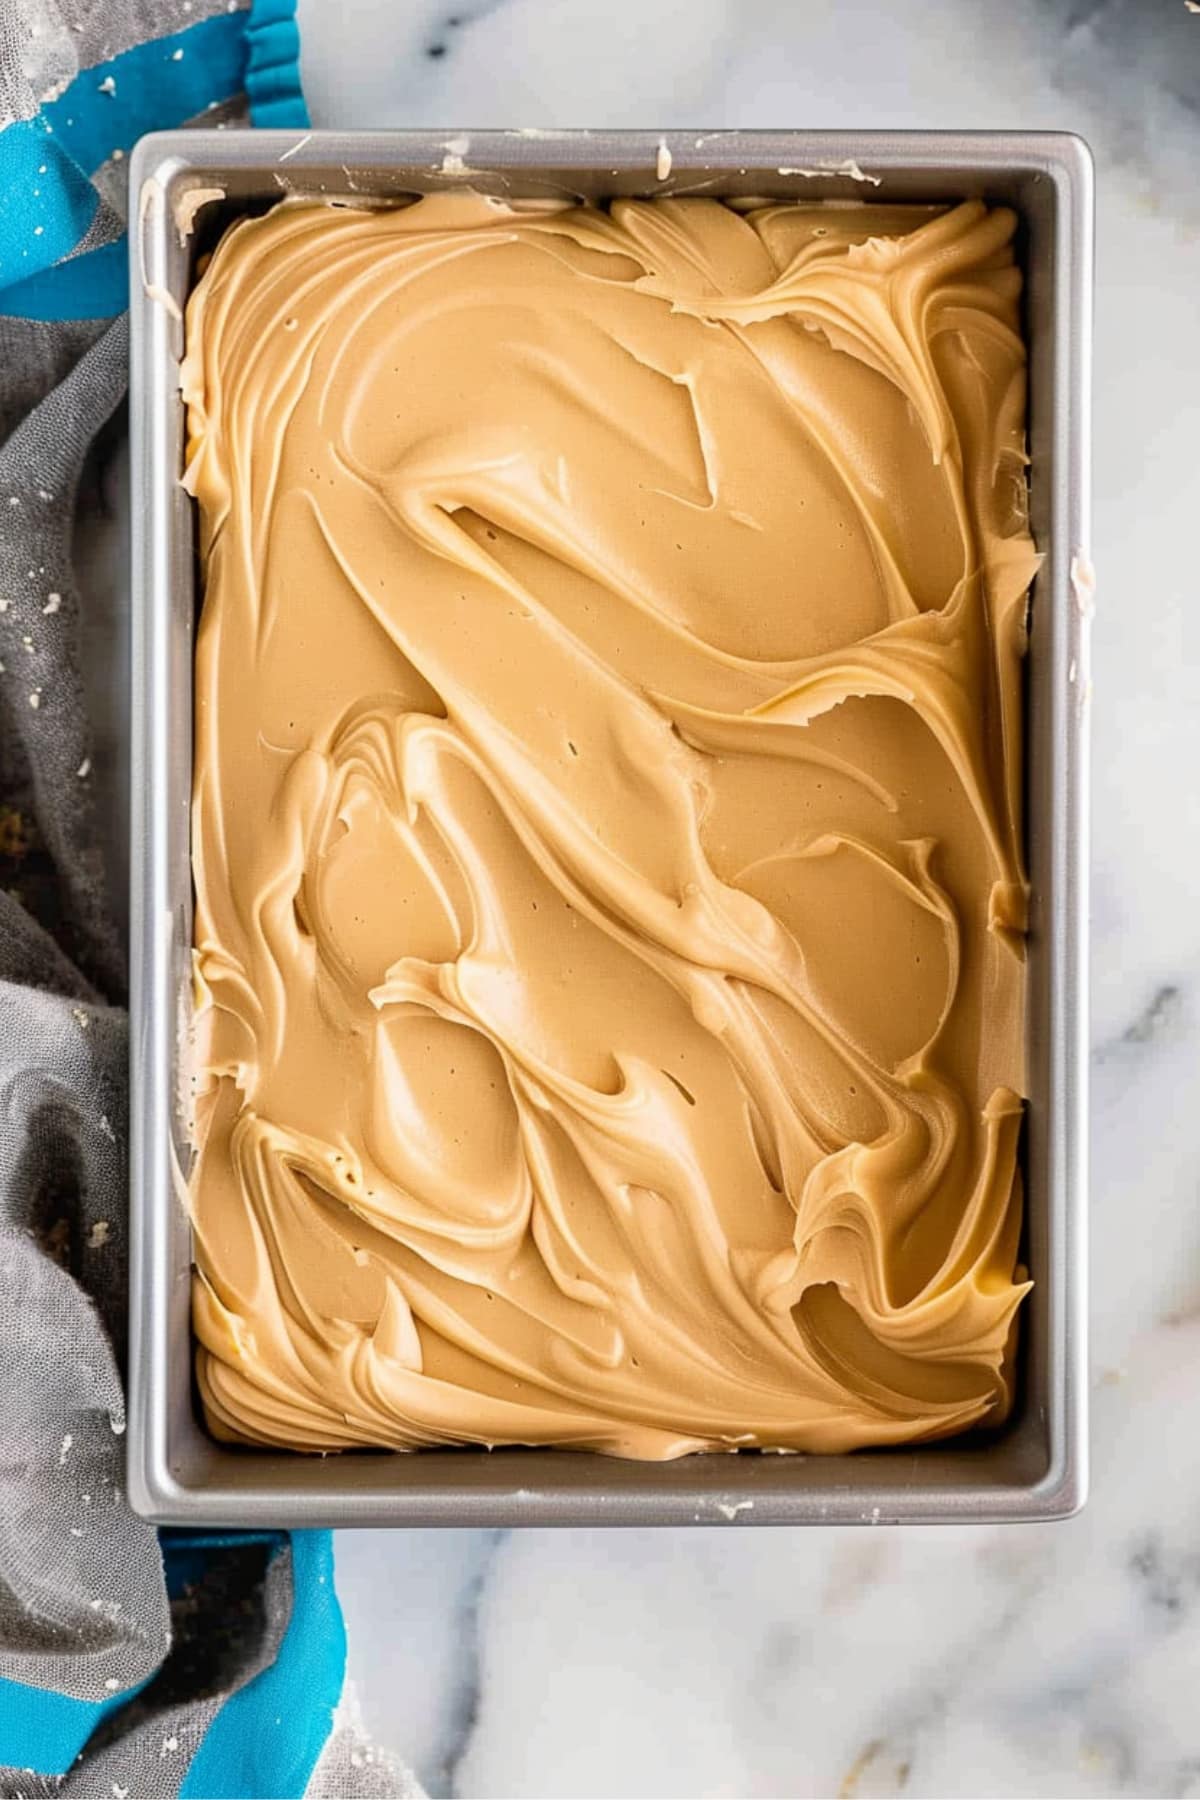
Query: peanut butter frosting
{"type": "Point", "coordinates": [610, 903]}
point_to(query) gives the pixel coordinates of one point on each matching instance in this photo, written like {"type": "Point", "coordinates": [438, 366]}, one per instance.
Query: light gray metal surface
{"type": "Point", "coordinates": [1036, 1468]}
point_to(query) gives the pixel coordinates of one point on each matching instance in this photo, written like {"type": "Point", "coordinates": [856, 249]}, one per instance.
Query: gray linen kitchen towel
{"type": "Point", "coordinates": [119, 1653]}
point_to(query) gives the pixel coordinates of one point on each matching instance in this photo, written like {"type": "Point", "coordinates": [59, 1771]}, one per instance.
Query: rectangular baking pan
{"type": "Point", "coordinates": [185, 186]}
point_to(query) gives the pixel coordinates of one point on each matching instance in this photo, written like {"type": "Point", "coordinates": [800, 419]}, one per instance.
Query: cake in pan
{"type": "Point", "coordinates": [606, 826]}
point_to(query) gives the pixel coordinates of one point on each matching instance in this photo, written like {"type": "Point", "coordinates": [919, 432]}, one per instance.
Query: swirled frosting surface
{"type": "Point", "coordinates": [609, 890]}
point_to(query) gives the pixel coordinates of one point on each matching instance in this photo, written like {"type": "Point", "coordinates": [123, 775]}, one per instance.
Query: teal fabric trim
{"type": "Point", "coordinates": [92, 286]}
{"type": "Point", "coordinates": [273, 65]}
{"type": "Point", "coordinates": [267, 1737]}
{"type": "Point", "coordinates": [46, 201]}
{"type": "Point", "coordinates": [45, 1731]}
{"type": "Point", "coordinates": [159, 83]}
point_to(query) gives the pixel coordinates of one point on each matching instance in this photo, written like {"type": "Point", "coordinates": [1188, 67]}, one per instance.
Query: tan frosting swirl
{"type": "Point", "coordinates": [609, 893]}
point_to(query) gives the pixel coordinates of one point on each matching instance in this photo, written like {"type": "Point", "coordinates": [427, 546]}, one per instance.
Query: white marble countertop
{"type": "Point", "coordinates": [1051, 1660]}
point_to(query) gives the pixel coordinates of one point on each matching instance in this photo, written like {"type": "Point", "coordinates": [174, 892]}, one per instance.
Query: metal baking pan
{"type": "Point", "coordinates": [184, 187]}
